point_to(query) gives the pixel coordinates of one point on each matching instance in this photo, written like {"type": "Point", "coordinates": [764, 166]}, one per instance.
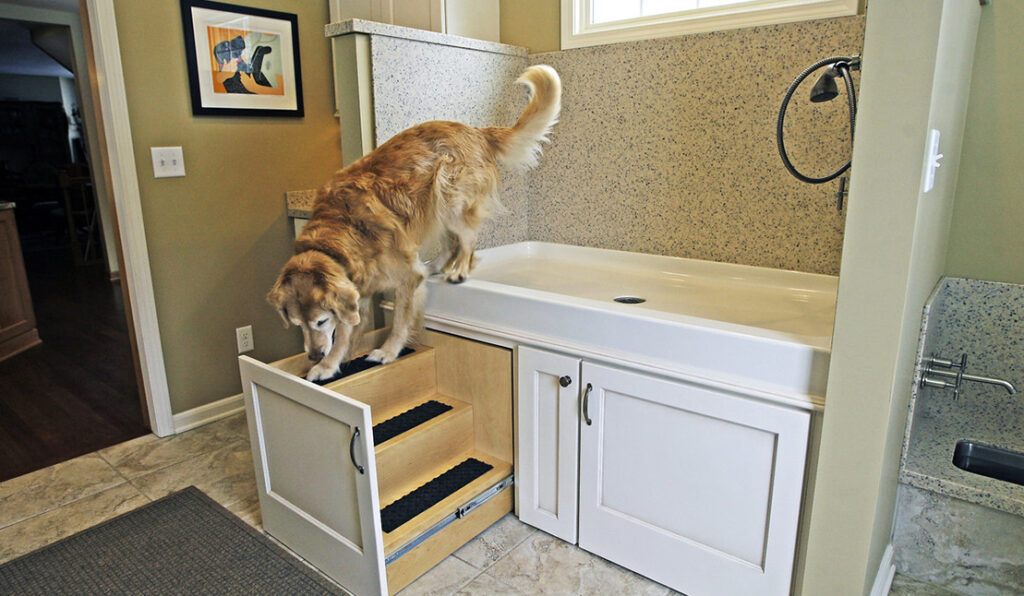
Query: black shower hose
{"type": "Point", "coordinates": [842, 64]}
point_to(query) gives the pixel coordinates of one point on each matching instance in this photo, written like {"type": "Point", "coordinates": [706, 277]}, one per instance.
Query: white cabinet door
{"type": "Point", "coordinates": [694, 488]}
{"type": "Point", "coordinates": [548, 441]}
{"type": "Point", "coordinates": [316, 474]}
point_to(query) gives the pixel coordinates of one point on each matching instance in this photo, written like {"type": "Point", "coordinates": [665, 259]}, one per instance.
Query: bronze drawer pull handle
{"type": "Point", "coordinates": [352, 451]}
{"type": "Point", "coordinates": [586, 403]}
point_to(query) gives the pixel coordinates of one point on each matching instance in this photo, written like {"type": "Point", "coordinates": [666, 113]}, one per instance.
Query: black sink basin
{"type": "Point", "coordinates": [986, 460]}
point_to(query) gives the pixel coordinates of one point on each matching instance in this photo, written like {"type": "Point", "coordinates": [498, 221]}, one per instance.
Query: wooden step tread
{"type": "Point", "coordinates": [455, 407]}
{"type": "Point", "coordinates": [408, 377]}
{"type": "Point", "coordinates": [359, 365]}
{"type": "Point", "coordinates": [397, 407]}
{"type": "Point", "coordinates": [416, 456]}
{"type": "Point", "coordinates": [408, 420]}
{"type": "Point", "coordinates": [447, 506]}
{"type": "Point", "coordinates": [431, 493]}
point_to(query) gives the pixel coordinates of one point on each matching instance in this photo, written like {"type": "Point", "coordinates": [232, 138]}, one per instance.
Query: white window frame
{"type": "Point", "coordinates": [577, 32]}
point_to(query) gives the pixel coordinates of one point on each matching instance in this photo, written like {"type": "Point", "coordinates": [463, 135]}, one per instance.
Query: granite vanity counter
{"type": "Point", "coordinates": [299, 203]}
{"type": "Point", "coordinates": [982, 319]}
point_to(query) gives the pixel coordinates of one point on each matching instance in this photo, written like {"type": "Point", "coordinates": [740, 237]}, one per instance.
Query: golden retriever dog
{"type": "Point", "coordinates": [434, 181]}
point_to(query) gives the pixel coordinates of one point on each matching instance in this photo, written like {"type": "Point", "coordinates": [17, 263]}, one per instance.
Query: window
{"type": "Point", "coordinates": [594, 22]}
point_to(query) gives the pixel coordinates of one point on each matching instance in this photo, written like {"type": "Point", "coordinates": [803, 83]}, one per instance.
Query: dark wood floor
{"type": "Point", "coordinates": [76, 392]}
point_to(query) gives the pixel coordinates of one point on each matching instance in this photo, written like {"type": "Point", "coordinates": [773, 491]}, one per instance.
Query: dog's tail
{"type": "Point", "coordinates": [520, 144]}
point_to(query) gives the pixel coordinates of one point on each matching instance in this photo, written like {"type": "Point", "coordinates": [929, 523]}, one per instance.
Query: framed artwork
{"type": "Point", "coordinates": [241, 61]}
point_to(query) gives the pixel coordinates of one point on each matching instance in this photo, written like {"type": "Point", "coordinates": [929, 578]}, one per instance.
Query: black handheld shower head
{"type": "Point", "coordinates": [825, 89]}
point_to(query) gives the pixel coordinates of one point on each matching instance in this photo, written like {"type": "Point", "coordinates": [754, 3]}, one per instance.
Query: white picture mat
{"type": "Point", "coordinates": [203, 18]}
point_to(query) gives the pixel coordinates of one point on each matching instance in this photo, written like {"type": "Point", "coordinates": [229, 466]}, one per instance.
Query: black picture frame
{"type": "Point", "coordinates": [226, 39]}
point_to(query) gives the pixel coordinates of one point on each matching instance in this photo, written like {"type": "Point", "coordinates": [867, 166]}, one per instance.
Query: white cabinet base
{"type": "Point", "coordinates": [694, 487]}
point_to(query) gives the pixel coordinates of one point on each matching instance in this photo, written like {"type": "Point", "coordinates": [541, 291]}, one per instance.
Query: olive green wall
{"type": "Point", "coordinates": [532, 24]}
{"type": "Point", "coordinates": [987, 237]}
{"type": "Point", "coordinates": [218, 236]}
{"type": "Point", "coordinates": [893, 257]}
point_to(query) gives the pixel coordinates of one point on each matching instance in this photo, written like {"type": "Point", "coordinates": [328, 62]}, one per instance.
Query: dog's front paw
{"type": "Point", "coordinates": [455, 277]}
{"type": "Point", "coordinates": [381, 355]}
{"type": "Point", "coordinates": [321, 372]}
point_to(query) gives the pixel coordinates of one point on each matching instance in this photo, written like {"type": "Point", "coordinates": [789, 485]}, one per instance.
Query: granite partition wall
{"type": "Point", "coordinates": [956, 529]}
{"type": "Point", "coordinates": [668, 146]}
{"type": "Point", "coordinates": [416, 78]}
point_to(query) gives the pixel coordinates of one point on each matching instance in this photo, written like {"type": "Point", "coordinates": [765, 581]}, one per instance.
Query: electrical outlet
{"type": "Point", "coordinates": [244, 337]}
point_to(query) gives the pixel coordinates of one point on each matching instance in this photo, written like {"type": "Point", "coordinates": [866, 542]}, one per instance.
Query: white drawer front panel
{"type": "Point", "coordinates": [312, 496]}
{"type": "Point", "coordinates": [318, 456]}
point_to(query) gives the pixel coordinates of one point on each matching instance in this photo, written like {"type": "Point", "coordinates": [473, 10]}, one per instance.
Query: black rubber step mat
{"type": "Point", "coordinates": [431, 493]}
{"type": "Point", "coordinates": [407, 420]}
{"type": "Point", "coordinates": [357, 365]}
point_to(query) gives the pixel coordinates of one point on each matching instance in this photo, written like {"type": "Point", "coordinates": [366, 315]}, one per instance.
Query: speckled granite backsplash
{"type": "Point", "coordinates": [668, 147]}
{"type": "Point", "coordinates": [954, 528]}
{"type": "Point", "coordinates": [664, 146]}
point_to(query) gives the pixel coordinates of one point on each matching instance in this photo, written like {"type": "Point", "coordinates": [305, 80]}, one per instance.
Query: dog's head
{"type": "Point", "coordinates": [314, 293]}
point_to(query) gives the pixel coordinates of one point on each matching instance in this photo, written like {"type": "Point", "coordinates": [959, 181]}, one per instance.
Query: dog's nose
{"type": "Point", "coordinates": [316, 356]}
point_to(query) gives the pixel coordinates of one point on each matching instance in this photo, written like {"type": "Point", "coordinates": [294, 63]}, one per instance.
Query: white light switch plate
{"type": "Point", "coordinates": [168, 162]}
{"type": "Point", "coordinates": [932, 159]}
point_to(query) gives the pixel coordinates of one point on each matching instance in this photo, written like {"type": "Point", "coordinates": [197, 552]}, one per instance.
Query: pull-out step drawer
{"type": "Point", "coordinates": [376, 477]}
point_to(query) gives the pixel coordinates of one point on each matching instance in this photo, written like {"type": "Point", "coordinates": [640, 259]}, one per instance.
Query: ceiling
{"type": "Point", "coordinates": [18, 55]}
{"type": "Point", "coordinates": [64, 5]}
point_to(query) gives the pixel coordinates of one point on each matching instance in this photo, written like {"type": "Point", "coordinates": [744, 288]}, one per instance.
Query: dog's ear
{"type": "Point", "coordinates": [277, 297]}
{"type": "Point", "coordinates": [343, 301]}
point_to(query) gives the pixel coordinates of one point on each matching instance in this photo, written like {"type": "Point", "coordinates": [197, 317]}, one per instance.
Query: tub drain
{"type": "Point", "coordinates": [630, 299]}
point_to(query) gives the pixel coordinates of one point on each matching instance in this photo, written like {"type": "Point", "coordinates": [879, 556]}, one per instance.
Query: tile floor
{"type": "Point", "coordinates": [905, 586]}
{"type": "Point", "coordinates": [44, 506]}
{"type": "Point", "coordinates": [508, 558]}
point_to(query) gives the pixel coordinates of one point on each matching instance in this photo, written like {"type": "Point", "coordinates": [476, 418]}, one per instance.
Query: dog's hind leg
{"type": "Point", "coordinates": [468, 196]}
{"type": "Point", "coordinates": [462, 260]}
{"type": "Point", "coordinates": [409, 298]}
{"type": "Point", "coordinates": [449, 244]}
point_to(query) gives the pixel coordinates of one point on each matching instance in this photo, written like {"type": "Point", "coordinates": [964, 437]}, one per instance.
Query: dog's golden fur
{"type": "Point", "coordinates": [370, 219]}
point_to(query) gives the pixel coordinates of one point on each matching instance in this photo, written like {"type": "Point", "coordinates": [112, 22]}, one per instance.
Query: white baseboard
{"type": "Point", "coordinates": [886, 572]}
{"type": "Point", "coordinates": [223, 408]}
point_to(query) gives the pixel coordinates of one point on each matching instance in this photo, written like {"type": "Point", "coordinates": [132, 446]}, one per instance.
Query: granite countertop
{"type": "Point", "coordinates": [300, 203]}
{"type": "Point", "coordinates": [979, 318]}
{"type": "Point", "coordinates": [929, 462]}
{"type": "Point", "coordinates": [6, 206]}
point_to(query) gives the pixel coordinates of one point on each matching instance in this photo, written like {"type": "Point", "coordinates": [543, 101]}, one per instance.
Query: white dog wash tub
{"type": "Point", "coordinates": [761, 328]}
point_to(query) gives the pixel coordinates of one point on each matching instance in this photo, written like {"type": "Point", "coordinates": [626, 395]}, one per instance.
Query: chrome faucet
{"type": "Point", "coordinates": [947, 369]}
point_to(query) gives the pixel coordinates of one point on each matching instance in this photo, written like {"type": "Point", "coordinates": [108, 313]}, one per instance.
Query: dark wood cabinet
{"type": "Point", "coordinates": [17, 320]}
